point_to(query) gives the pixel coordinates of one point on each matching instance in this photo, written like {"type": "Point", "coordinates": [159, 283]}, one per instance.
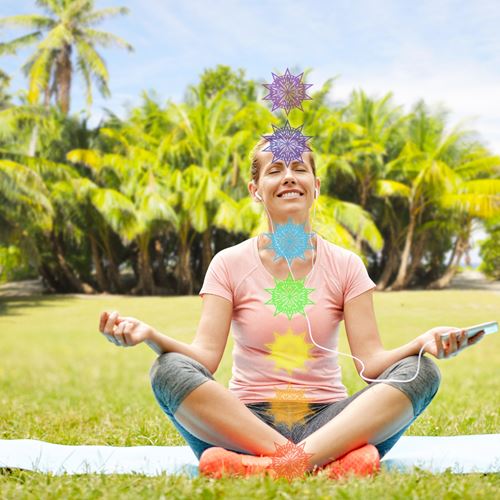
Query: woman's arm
{"type": "Point", "coordinates": [364, 339]}
{"type": "Point", "coordinates": [207, 347]}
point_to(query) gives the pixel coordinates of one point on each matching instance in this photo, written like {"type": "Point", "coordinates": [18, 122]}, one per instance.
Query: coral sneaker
{"type": "Point", "coordinates": [217, 462]}
{"type": "Point", "coordinates": [364, 461]}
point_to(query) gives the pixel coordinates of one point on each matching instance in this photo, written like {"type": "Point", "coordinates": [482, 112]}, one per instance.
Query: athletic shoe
{"type": "Point", "coordinates": [364, 461]}
{"type": "Point", "coordinates": [217, 462]}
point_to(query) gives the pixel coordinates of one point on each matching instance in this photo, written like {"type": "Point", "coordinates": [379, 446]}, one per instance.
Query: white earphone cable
{"type": "Point", "coordinates": [309, 324]}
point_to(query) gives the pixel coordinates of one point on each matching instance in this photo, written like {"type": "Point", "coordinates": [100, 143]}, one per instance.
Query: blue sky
{"type": "Point", "coordinates": [444, 51]}
{"type": "Point", "coordinates": [447, 52]}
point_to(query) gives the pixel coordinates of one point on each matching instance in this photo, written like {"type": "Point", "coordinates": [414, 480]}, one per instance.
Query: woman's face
{"type": "Point", "coordinates": [286, 191]}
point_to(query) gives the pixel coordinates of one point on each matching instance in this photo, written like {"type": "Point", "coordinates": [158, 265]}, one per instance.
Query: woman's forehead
{"type": "Point", "coordinates": [267, 160]}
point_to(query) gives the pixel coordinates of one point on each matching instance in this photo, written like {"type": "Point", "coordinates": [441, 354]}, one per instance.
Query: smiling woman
{"type": "Point", "coordinates": [273, 179]}
{"type": "Point", "coordinates": [284, 294]}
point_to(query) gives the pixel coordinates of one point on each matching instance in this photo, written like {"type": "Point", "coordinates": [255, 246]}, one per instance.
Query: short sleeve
{"type": "Point", "coordinates": [357, 280]}
{"type": "Point", "coordinates": [217, 279]}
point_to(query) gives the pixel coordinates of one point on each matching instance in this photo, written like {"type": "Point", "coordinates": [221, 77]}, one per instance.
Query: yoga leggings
{"type": "Point", "coordinates": [174, 376]}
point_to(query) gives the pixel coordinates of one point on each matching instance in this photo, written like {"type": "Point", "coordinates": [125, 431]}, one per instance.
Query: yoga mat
{"type": "Point", "coordinates": [459, 454]}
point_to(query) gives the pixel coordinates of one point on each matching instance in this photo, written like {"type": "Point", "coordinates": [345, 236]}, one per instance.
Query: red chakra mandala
{"type": "Point", "coordinates": [290, 460]}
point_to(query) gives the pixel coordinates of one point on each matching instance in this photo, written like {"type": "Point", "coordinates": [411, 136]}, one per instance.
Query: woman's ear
{"type": "Point", "coordinates": [256, 193]}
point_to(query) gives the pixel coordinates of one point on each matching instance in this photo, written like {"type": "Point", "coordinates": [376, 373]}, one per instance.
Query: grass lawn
{"type": "Point", "coordinates": [62, 382]}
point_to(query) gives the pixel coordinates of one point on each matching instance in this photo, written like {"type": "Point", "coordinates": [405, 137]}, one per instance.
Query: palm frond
{"type": "Point", "coordinates": [10, 48]}
{"type": "Point", "coordinates": [29, 20]}
{"type": "Point", "coordinates": [387, 187]}
{"type": "Point", "coordinates": [39, 75]}
{"type": "Point", "coordinates": [105, 39]}
{"type": "Point", "coordinates": [100, 15]}
{"type": "Point", "coordinates": [479, 198]}
{"type": "Point", "coordinates": [95, 64]}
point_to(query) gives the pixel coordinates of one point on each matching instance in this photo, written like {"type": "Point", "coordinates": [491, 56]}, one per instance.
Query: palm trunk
{"type": "Point", "coordinates": [33, 141]}
{"type": "Point", "coordinates": [160, 275]}
{"type": "Point", "coordinates": [400, 280]}
{"type": "Point", "coordinates": [445, 279]}
{"type": "Point", "coordinates": [416, 257]}
{"type": "Point", "coordinates": [146, 284]}
{"type": "Point", "coordinates": [48, 277]}
{"type": "Point", "coordinates": [67, 271]}
{"type": "Point", "coordinates": [363, 200]}
{"type": "Point", "coordinates": [207, 249]}
{"type": "Point", "coordinates": [63, 76]}
{"type": "Point", "coordinates": [390, 266]}
{"type": "Point", "coordinates": [112, 269]}
{"type": "Point", "coordinates": [235, 176]}
{"type": "Point", "coordinates": [185, 281]}
{"type": "Point", "coordinates": [96, 259]}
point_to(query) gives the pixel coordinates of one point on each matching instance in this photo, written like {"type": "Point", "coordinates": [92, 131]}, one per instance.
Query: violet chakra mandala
{"type": "Point", "coordinates": [287, 92]}
{"type": "Point", "coordinates": [287, 143]}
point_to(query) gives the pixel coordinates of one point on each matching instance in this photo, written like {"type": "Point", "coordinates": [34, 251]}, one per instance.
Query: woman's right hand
{"type": "Point", "coordinates": [123, 330]}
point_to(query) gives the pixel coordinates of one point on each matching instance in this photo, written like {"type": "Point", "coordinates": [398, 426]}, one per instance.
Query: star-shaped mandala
{"type": "Point", "coordinates": [290, 241]}
{"type": "Point", "coordinates": [289, 407]}
{"type": "Point", "coordinates": [289, 296]}
{"type": "Point", "coordinates": [290, 460]}
{"type": "Point", "coordinates": [287, 143]}
{"type": "Point", "coordinates": [287, 92]}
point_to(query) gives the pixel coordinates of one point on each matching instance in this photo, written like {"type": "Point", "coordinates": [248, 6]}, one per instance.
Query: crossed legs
{"type": "Point", "coordinates": [214, 415]}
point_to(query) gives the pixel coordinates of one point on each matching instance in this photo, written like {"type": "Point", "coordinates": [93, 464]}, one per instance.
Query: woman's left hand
{"type": "Point", "coordinates": [456, 342]}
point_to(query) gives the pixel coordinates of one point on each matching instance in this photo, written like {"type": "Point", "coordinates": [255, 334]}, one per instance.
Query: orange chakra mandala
{"type": "Point", "coordinates": [290, 460]}
{"type": "Point", "coordinates": [289, 406]}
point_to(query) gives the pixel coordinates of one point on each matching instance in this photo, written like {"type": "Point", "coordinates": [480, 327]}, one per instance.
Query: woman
{"type": "Point", "coordinates": [281, 354]}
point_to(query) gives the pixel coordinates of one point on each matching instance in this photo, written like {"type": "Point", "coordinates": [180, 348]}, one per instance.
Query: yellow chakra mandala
{"type": "Point", "coordinates": [289, 351]}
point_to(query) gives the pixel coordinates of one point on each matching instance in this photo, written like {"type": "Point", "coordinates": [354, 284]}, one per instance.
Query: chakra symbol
{"type": "Point", "coordinates": [290, 460]}
{"type": "Point", "coordinates": [290, 241]}
{"type": "Point", "coordinates": [289, 351]}
{"type": "Point", "coordinates": [289, 406]}
{"type": "Point", "coordinates": [287, 91]}
{"type": "Point", "coordinates": [287, 143]}
{"type": "Point", "coordinates": [289, 296]}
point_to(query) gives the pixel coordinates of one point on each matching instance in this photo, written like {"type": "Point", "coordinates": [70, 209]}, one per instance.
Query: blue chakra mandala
{"type": "Point", "coordinates": [287, 92]}
{"type": "Point", "coordinates": [290, 241]}
{"type": "Point", "coordinates": [287, 143]}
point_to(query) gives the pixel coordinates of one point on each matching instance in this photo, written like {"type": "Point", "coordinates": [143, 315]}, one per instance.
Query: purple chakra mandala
{"type": "Point", "coordinates": [287, 92]}
{"type": "Point", "coordinates": [287, 143]}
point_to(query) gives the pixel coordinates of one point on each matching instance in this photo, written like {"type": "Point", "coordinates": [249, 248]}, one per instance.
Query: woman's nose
{"type": "Point", "coordinates": [289, 174]}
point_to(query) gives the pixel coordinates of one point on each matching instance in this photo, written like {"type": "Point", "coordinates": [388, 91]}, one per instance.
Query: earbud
{"type": "Point", "coordinates": [316, 192]}
{"type": "Point", "coordinates": [257, 195]}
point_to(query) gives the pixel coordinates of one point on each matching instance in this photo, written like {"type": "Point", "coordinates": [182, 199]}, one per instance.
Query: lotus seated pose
{"type": "Point", "coordinates": [283, 294]}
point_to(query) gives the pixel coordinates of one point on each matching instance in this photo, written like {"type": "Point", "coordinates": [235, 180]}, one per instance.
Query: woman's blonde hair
{"type": "Point", "coordinates": [255, 167]}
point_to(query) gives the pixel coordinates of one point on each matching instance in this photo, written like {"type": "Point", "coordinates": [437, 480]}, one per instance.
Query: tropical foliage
{"type": "Point", "coordinates": [141, 204]}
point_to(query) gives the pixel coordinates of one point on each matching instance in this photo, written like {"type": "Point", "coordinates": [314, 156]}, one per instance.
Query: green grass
{"type": "Point", "coordinates": [61, 381]}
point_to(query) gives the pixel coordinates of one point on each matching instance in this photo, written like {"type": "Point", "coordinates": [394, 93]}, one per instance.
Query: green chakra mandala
{"type": "Point", "coordinates": [289, 296]}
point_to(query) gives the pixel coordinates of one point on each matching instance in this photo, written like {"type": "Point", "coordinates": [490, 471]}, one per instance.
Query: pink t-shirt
{"type": "Point", "coordinates": [272, 352]}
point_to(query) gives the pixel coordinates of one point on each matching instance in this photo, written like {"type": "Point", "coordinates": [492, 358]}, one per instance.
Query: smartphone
{"type": "Point", "coordinates": [488, 327]}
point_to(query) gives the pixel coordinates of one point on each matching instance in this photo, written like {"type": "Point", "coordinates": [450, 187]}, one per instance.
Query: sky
{"type": "Point", "coordinates": [446, 52]}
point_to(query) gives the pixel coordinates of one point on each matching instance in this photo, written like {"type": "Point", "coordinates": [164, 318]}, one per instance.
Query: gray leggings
{"type": "Point", "coordinates": [174, 376]}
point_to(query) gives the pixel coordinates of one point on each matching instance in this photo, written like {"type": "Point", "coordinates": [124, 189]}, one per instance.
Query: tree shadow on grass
{"type": "Point", "coordinates": [10, 306]}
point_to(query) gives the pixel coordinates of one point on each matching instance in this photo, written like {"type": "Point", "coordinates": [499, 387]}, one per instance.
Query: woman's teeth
{"type": "Point", "coordinates": [291, 195]}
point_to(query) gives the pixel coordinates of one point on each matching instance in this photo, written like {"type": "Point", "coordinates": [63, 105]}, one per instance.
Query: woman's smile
{"type": "Point", "coordinates": [290, 194]}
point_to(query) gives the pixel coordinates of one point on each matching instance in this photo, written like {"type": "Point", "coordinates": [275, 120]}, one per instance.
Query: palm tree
{"type": "Point", "coordinates": [470, 200]}
{"type": "Point", "coordinates": [434, 164]}
{"type": "Point", "coordinates": [133, 196]}
{"type": "Point", "coordinates": [68, 28]}
{"type": "Point", "coordinates": [34, 195]}
{"type": "Point", "coordinates": [215, 136]}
